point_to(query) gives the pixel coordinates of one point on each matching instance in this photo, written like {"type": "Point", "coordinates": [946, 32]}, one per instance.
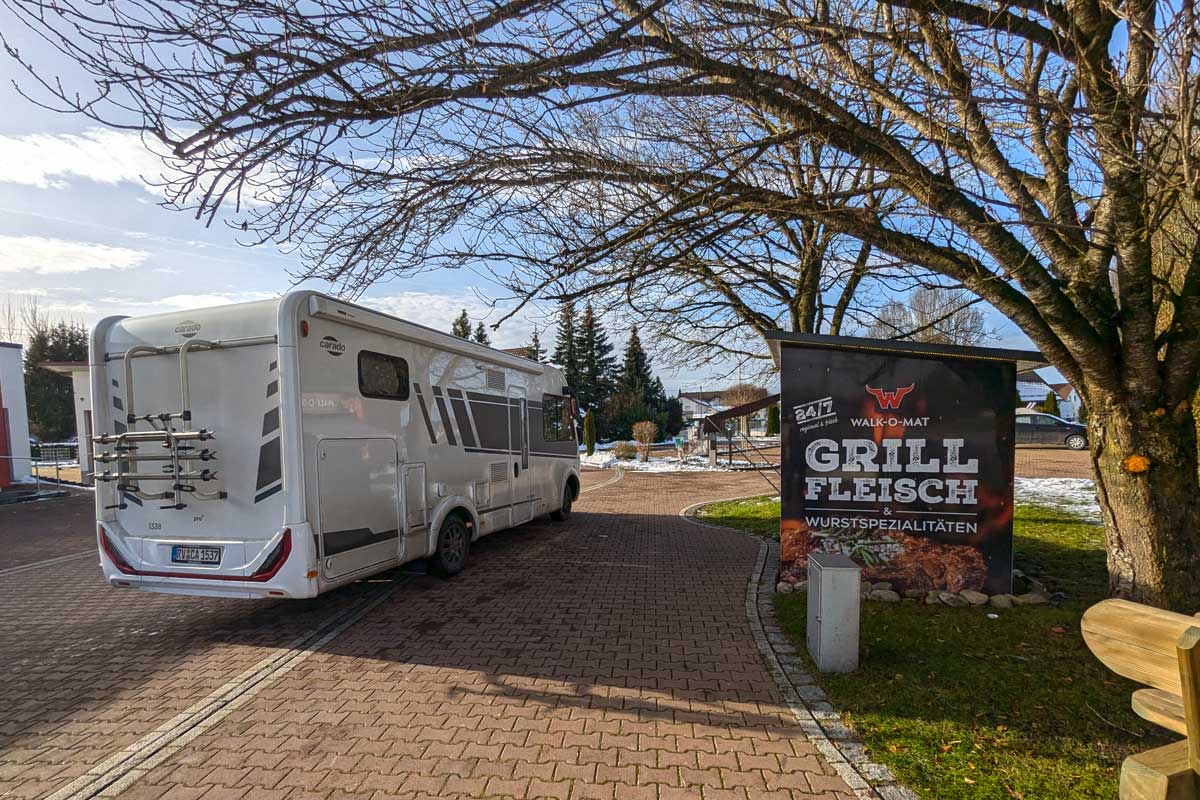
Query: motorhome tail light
{"type": "Point", "coordinates": [114, 555]}
{"type": "Point", "coordinates": [275, 560]}
{"type": "Point", "coordinates": [304, 327]}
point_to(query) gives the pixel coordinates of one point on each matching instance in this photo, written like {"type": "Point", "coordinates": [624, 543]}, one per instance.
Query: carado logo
{"type": "Point", "coordinates": [332, 346]}
{"type": "Point", "coordinates": [890, 400]}
{"type": "Point", "coordinates": [187, 329]}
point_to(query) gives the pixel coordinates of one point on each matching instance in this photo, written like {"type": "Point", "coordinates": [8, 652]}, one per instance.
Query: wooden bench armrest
{"type": "Point", "coordinates": [1161, 708]}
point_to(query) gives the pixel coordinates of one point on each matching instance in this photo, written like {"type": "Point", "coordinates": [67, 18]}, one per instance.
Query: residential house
{"type": "Point", "coordinates": [698, 405]}
{"type": "Point", "coordinates": [81, 384]}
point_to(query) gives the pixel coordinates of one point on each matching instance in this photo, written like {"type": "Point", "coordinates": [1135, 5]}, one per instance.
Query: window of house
{"type": "Point", "coordinates": [382, 376]}
{"type": "Point", "coordinates": [556, 419]}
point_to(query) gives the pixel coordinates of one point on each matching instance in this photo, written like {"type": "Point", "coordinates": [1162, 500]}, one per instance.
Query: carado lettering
{"type": "Point", "coordinates": [864, 455]}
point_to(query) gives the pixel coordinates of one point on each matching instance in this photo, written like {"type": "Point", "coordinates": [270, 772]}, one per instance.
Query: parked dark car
{"type": "Point", "coordinates": [1047, 429]}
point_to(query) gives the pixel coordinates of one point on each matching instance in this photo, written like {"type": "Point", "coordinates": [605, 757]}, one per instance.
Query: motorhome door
{"type": "Point", "coordinates": [522, 498]}
{"type": "Point", "coordinates": [359, 504]}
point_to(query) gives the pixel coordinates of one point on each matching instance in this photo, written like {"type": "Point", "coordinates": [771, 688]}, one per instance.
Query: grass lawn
{"type": "Point", "coordinates": [962, 706]}
{"type": "Point", "coordinates": [758, 515]}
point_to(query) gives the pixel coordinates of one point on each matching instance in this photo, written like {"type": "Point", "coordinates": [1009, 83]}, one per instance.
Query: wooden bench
{"type": "Point", "coordinates": [1160, 649]}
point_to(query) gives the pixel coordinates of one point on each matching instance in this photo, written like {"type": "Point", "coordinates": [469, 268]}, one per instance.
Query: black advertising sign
{"type": "Point", "coordinates": [902, 460]}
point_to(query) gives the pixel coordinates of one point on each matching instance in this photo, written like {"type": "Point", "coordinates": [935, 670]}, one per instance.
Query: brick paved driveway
{"type": "Point", "coordinates": [609, 657]}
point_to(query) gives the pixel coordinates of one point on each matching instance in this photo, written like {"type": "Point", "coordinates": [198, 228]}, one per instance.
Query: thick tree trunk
{"type": "Point", "coordinates": [1151, 517]}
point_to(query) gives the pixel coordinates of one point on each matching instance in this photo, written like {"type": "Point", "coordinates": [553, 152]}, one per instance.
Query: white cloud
{"type": "Point", "coordinates": [439, 311]}
{"type": "Point", "coordinates": [97, 154]}
{"type": "Point", "coordinates": [39, 255]}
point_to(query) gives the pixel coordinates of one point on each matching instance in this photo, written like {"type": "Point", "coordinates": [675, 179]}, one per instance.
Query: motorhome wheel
{"type": "Point", "coordinates": [453, 541]}
{"type": "Point", "coordinates": [565, 511]}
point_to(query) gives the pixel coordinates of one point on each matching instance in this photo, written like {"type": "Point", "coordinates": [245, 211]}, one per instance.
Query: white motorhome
{"type": "Point", "coordinates": [285, 447]}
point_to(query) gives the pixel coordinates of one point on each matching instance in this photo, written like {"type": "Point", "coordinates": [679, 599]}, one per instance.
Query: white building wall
{"type": "Point", "coordinates": [12, 387]}
{"type": "Point", "coordinates": [82, 382]}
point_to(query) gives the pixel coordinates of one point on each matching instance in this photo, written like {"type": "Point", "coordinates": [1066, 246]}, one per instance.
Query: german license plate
{"type": "Point", "coordinates": [195, 555]}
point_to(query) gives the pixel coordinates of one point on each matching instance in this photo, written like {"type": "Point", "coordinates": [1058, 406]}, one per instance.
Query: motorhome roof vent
{"type": "Point", "coordinates": [495, 379]}
{"type": "Point", "coordinates": [498, 471]}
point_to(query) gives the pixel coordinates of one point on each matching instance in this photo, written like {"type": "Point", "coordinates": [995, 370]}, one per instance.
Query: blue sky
{"type": "Point", "coordinates": [83, 233]}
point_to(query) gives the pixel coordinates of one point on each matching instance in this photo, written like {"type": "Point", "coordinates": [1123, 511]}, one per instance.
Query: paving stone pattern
{"type": "Point", "coordinates": [608, 657]}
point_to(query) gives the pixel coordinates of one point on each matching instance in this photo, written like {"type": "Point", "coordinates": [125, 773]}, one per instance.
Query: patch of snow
{"type": "Point", "coordinates": [611, 445]}
{"type": "Point", "coordinates": [600, 458]}
{"type": "Point", "coordinates": [1074, 495]}
{"type": "Point", "coordinates": [695, 463]}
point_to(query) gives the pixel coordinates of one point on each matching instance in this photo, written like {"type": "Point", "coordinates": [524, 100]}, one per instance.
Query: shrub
{"type": "Point", "coordinates": [1050, 404]}
{"type": "Point", "coordinates": [589, 432]}
{"type": "Point", "coordinates": [773, 420]}
{"type": "Point", "coordinates": [624, 450]}
{"type": "Point", "coordinates": [645, 432]}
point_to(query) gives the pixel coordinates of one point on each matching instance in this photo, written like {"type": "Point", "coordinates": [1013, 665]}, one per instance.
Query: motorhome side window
{"type": "Point", "coordinates": [556, 419]}
{"type": "Point", "coordinates": [382, 376]}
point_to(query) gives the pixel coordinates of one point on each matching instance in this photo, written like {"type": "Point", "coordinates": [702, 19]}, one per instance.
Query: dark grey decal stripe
{"type": "Point", "coordinates": [258, 498]}
{"type": "Point", "coordinates": [483, 511]}
{"type": "Point", "coordinates": [460, 414]}
{"type": "Point", "coordinates": [441, 407]}
{"type": "Point", "coordinates": [270, 421]}
{"type": "Point", "coordinates": [269, 468]}
{"type": "Point", "coordinates": [518, 452]}
{"type": "Point", "coordinates": [341, 541]}
{"type": "Point", "coordinates": [425, 413]}
{"type": "Point", "coordinates": [491, 424]}
{"type": "Point", "coordinates": [498, 399]}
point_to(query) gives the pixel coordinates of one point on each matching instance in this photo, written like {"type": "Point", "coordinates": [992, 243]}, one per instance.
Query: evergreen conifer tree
{"type": "Point", "coordinates": [566, 351]}
{"type": "Point", "coordinates": [1050, 404]}
{"type": "Point", "coordinates": [773, 420]}
{"type": "Point", "coordinates": [49, 396]}
{"type": "Point", "coordinates": [462, 326]}
{"type": "Point", "coordinates": [635, 376]}
{"type": "Point", "coordinates": [481, 334]}
{"type": "Point", "coordinates": [536, 352]}
{"type": "Point", "coordinates": [595, 358]}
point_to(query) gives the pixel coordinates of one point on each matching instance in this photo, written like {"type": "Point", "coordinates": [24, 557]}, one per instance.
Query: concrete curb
{"type": "Point", "coordinates": [837, 742]}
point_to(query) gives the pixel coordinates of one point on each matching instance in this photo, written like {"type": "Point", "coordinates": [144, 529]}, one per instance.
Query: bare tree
{"type": "Point", "coordinates": [1031, 152]}
{"type": "Point", "coordinates": [22, 317]}
{"type": "Point", "coordinates": [644, 433]}
{"type": "Point", "coordinates": [739, 394]}
{"type": "Point", "coordinates": [704, 277]}
{"type": "Point", "coordinates": [932, 314]}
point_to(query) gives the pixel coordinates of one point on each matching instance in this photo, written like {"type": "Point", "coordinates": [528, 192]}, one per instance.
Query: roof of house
{"type": "Point", "coordinates": [702, 396]}
{"type": "Point", "coordinates": [64, 367]}
{"type": "Point", "coordinates": [1032, 391]}
{"type": "Point", "coordinates": [1063, 390]}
